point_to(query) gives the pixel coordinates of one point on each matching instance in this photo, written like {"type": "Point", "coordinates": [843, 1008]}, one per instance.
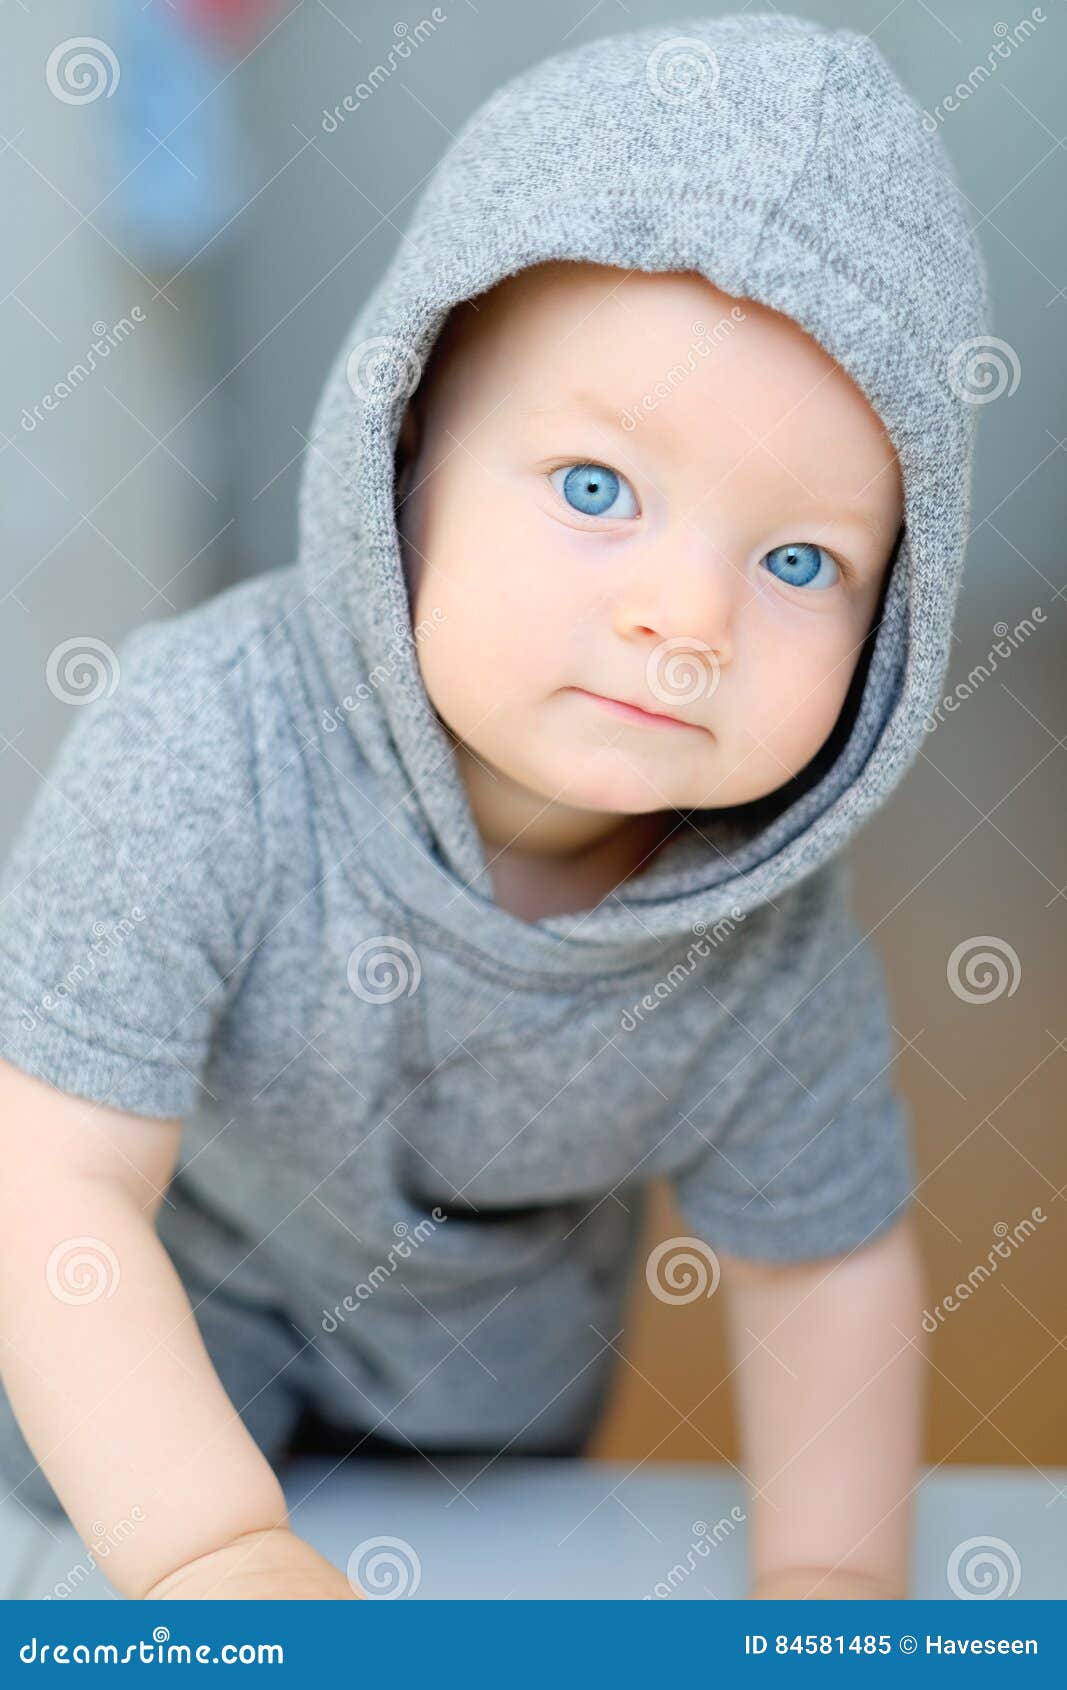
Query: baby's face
{"type": "Point", "coordinates": [619, 490]}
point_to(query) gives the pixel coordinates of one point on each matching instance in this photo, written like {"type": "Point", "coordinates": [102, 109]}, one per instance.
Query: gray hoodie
{"type": "Point", "coordinates": [251, 892]}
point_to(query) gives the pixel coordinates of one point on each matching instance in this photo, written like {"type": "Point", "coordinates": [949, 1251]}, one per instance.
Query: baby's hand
{"type": "Point", "coordinates": [819, 1583]}
{"type": "Point", "coordinates": [263, 1566]}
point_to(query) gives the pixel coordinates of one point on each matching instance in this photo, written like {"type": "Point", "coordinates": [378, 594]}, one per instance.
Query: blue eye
{"type": "Point", "coordinates": [594, 489]}
{"type": "Point", "coordinates": [800, 565]}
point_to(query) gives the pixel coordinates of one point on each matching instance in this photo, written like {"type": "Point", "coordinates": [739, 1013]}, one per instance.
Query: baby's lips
{"type": "Point", "coordinates": [624, 706]}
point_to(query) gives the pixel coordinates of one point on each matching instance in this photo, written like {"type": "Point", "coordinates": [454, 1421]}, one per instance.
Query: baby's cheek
{"type": "Point", "coordinates": [472, 662]}
{"type": "Point", "coordinates": [805, 690]}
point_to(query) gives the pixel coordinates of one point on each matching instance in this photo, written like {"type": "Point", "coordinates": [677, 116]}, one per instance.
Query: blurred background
{"type": "Point", "coordinates": [192, 218]}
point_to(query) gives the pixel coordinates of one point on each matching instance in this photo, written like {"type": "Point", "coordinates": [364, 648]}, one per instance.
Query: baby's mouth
{"type": "Point", "coordinates": [634, 713]}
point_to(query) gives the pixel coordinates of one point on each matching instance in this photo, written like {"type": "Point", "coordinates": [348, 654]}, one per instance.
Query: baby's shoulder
{"type": "Point", "coordinates": [175, 755]}
{"type": "Point", "coordinates": [213, 693]}
{"type": "Point", "coordinates": [231, 647]}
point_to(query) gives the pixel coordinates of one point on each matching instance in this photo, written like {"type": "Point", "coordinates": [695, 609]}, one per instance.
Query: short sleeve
{"type": "Point", "coordinates": [815, 1158]}
{"type": "Point", "coordinates": [127, 897]}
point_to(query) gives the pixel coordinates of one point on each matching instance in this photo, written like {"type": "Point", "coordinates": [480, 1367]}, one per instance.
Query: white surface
{"type": "Point", "coordinates": [539, 1528]}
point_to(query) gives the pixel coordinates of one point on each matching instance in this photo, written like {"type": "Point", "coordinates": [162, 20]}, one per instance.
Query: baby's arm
{"type": "Point", "coordinates": [829, 1396]}
{"type": "Point", "coordinates": [115, 1392]}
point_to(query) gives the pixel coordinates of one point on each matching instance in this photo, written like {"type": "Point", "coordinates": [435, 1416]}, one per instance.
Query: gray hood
{"type": "Point", "coordinates": [784, 162]}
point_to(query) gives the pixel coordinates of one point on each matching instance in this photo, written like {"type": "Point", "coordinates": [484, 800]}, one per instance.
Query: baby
{"type": "Point", "coordinates": [393, 919]}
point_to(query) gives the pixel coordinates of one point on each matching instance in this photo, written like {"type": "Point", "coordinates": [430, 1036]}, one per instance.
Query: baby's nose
{"type": "Point", "coordinates": [681, 599]}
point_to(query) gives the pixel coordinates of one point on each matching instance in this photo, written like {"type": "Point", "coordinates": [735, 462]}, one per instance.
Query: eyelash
{"type": "Point", "coordinates": [846, 570]}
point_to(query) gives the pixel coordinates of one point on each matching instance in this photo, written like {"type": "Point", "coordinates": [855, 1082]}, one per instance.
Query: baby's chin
{"type": "Point", "coordinates": [613, 781]}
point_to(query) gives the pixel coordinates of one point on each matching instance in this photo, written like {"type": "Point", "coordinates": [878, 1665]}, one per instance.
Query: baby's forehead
{"type": "Point", "coordinates": [619, 331]}
{"type": "Point", "coordinates": [668, 348]}
{"type": "Point", "coordinates": [573, 303]}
